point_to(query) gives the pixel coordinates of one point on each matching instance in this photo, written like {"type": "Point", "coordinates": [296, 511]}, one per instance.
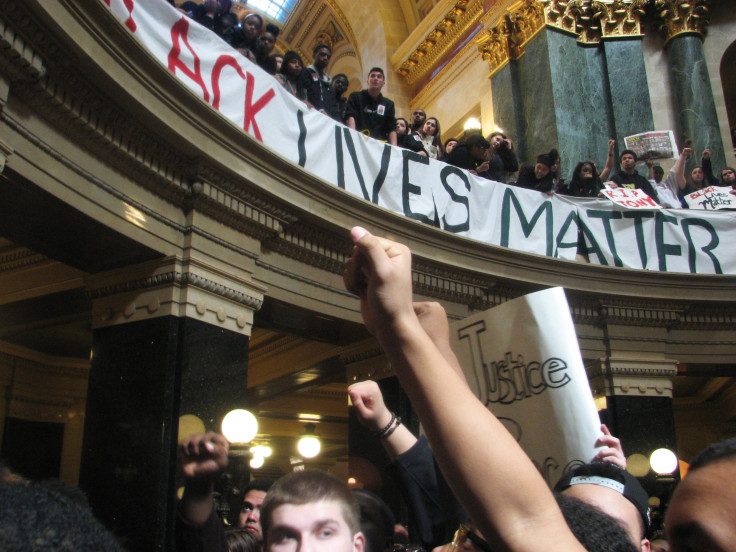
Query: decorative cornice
{"type": "Point", "coordinates": [26, 65]}
{"type": "Point", "coordinates": [632, 377]}
{"type": "Point", "coordinates": [676, 17]}
{"type": "Point", "coordinates": [593, 20]}
{"type": "Point", "coordinates": [454, 25]}
{"type": "Point", "coordinates": [18, 258]}
{"type": "Point", "coordinates": [180, 279]}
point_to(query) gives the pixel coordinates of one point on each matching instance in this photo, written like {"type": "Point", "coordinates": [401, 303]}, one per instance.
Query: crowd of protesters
{"type": "Point", "coordinates": [474, 488]}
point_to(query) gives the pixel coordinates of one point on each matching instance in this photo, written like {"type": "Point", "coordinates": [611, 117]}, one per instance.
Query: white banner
{"type": "Point", "coordinates": [522, 360]}
{"type": "Point", "coordinates": [712, 198]}
{"type": "Point", "coordinates": [424, 189]}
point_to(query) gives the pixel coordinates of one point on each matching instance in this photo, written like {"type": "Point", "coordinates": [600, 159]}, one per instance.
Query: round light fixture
{"type": "Point", "coordinates": [239, 426]}
{"type": "Point", "coordinates": [472, 124]}
{"type": "Point", "coordinates": [637, 465]}
{"type": "Point", "coordinates": [189, 424]}
{"type": "Point", "coordinates": [663, 461]}
{"type": "Point", "coordinates": [309, 445]}
{"type": "Point", "coordinates": [257, 461]}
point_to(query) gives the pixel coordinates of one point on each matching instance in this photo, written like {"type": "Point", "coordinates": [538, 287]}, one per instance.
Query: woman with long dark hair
{"type": "Point", "coordinates": [586, 182]}
{"type": "Point", "coordinates": [502, 158]}
{"type": "Point", "coordinates": [432, 138]}
{"type": "Point", "coordinates": [290, 73]}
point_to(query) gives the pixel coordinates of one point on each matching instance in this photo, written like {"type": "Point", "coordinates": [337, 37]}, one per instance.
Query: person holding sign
{"type": "Point", "coordinates": [629, 178]}
{"type": "Point", "coordinates": [501, 489]}
{"type": "Point", "coordinates": [369, 112]}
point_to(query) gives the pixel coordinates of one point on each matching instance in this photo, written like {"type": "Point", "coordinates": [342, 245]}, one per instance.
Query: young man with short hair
{"type": "Point", "coordinates": [311, 510]}
{"type": "Point", "coordinates": [368, 111]}
{"type": "Point", "coordinates": [317, 82]}
{"type": "Point", "coordinates": [629, 178]}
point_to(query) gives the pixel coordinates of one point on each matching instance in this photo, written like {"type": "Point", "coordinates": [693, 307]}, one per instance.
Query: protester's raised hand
{"type": "Point", "coordinates": [379, 272]}
{"type": "Point", "coordinates": [203, 455]}
{"type": "Point", "coordinates": [433, 319]}
{"type": "Point", "coordinates": [687, 152]}
{"type": "Point", "coordinates": [369, 406]}
{"type": "Point", "coordinates": [611, 145]}
{"type": "Point", "coordinates": [706, 154]}
{"type": "Point", "coordinates": [612, 450]}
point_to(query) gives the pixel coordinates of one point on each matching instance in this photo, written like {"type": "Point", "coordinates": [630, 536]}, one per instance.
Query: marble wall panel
{"type": "Point", "coordinates": [629, 90]}
{"type": "Point", "coordinates": [692, 95]}
{"type": "Point", "coordinates": [582, 101]}
{"type": "Point", "coordinates": [537, 117]}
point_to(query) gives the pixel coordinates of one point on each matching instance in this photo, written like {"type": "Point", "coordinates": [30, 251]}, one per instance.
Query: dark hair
{"type": "Point", "coordinates": [273, 29]}
{"type": "Point", "coordinates": [290, 56]}
{"type": "Point", "coordinates": [318, 47]}
{"type": "Point", "coordinates": [242, 540]}
{"type": "Point", "coordinates": [579, 168]}
{"type": "Point", "coordinates": [376, 521]}
{"type": "Point", "coordinates": [33, 517]}
{"type": "Point", "coordinates": [377, 70]}
{"type": "Point", "coordinates": [305, 487]}
{"type": "Point", "coordinates": [594, 529]}
{"type": "Point", "coordinates": [270, 65]}
{"type": "Point", "coordinates": [715, 452]}
{"type": "Point", "coordinates": [262, 485]}
{"type": "Point", "coordinates": [343, 75]}
{"type": "Point", "coordinates": [405, 122]}
{"type": "Point", "coordinates": [630, 152]}
{"type": "Point", "coordinates": [254, 14]}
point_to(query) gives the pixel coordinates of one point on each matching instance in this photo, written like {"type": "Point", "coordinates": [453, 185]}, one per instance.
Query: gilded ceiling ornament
{"type": "Point", "coordinates": [588, 16]}
{"type": "Point", "coordinates": [437, 42]}
{"type": "Point", "coordinates": [507, 39]}
{"type": "Point", "coordinates": [674, 17]}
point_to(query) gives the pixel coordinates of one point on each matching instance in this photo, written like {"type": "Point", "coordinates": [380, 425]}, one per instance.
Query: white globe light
{"type": "Point", "coordinates": [663, 461]}
{"type": "Point", "coordinates": [239, 426]}
{"type": "Point", "coordinates": [309, 446]}
{"type": "Point", "coordinates": [256, 462]}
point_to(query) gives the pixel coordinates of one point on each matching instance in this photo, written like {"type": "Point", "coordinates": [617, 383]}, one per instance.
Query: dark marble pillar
{"type": "Point", "coordinates": [168, 339]}
{"type": "Point", "coordinates": [692, 96]}
{"type": "Point", "coordinates": [507, 106]}
{"type": "Point", "coordinates": [143, 375]}
{"type": "Point", "coordinates": [628, 88]}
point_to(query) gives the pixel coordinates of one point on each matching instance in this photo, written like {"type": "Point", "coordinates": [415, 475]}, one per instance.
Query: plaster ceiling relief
{"type": "Point", "coordinates": [315, 22]}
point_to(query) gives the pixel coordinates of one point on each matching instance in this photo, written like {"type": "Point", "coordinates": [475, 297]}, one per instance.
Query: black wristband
{"type": "Point", "coordinates": [390, 431]}
{"type": "Point", "coordinates": [380, 434]}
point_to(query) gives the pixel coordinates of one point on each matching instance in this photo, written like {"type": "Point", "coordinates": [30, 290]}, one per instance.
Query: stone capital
{"type": "Point", "coordinates": [173, 287]}
{"type": "Point", "coordinates": [621, 376]}
{"type": "Point", "coordinates": [676, 17]}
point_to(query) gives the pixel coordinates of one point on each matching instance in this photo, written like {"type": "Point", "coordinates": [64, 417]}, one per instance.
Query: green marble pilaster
{"type": "Point", "coordinates": [507, 104]}
{"type": "Point", "coordinates": [631, 105]}
{"type": "Point", "coordinates": [692, 96]}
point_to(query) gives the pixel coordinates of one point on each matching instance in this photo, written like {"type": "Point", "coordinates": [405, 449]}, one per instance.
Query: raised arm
{"type": "Point", "coordinates": [203, 457]}
{"type": "Point", "coordinates": [609, 161]}
{"type": "Point", "coordinates": [495, 480]}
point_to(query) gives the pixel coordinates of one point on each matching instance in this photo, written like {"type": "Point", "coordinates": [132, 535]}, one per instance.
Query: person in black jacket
{"type": "Point", "coordinates": [370, 112]}
{"type": "Point", "coordinates": [539, 176]}
{"type": "Point", "coordinates": [586, 182]}
{"type": "Point", "coordinates": [503, 159]}
{"type": "Point", "coordinates": [471, 155]}
{"type": "Point", "coordinates": [629, 178]}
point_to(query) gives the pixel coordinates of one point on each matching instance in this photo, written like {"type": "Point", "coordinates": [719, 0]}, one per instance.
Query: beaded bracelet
{"type": "Point", "coordinates": [380, 434]}
{"type": "Point", "coordinates": [390, 431]}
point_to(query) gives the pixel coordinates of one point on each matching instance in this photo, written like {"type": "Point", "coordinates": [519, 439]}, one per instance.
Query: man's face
{"type": "Point", "coordinates": [628, 162]}
{"type": "Point", "coordinates": [418, 118]}
{"type": "Point", "coordinates": [341, 85]}
{"type": "Point", "coordinates": [702, 513]}
{"type": "Point", "coordinates": [322, 58]}
{"type": "Point", "coordinates": [250, 512]}
{"type": "Point", "coordinates": [727, 175]}
{"type": "Point", "coordinates": [615, 505]}
{"type": "Point", "coordinates": [375, 81]}
{"type": "Point", "coordinates": [316, 526]}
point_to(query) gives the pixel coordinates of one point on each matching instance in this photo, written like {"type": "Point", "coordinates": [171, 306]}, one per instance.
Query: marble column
{"type": "Point", "coordinates": [628, 89]}
{"type": "Point", "coordinates": [692, 96]}
{"type": "Point", "coordinates": [169, 338]}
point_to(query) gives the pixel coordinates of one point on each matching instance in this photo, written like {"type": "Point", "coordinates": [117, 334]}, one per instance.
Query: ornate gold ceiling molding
{"type": "Point", "coordinates": [590, 20]}
{"type": "Point", "coordinates": [506, 40]}
{"type": "Point", "coordinates": [463, 15]}
{"type": "Point", "coordinates": [676, 17]}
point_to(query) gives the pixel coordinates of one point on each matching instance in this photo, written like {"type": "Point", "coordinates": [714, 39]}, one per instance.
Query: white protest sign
{"type": "Point", "coordinates": [712, 198]}
{"type": "Point", "coordinates": [522, 360]}
{"type": "Point", "coordinates": [630, 198]}
{"type": "Point", "coordinates": [658, 144]}
{"type": "Point", "coordinates": [415, 186]}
